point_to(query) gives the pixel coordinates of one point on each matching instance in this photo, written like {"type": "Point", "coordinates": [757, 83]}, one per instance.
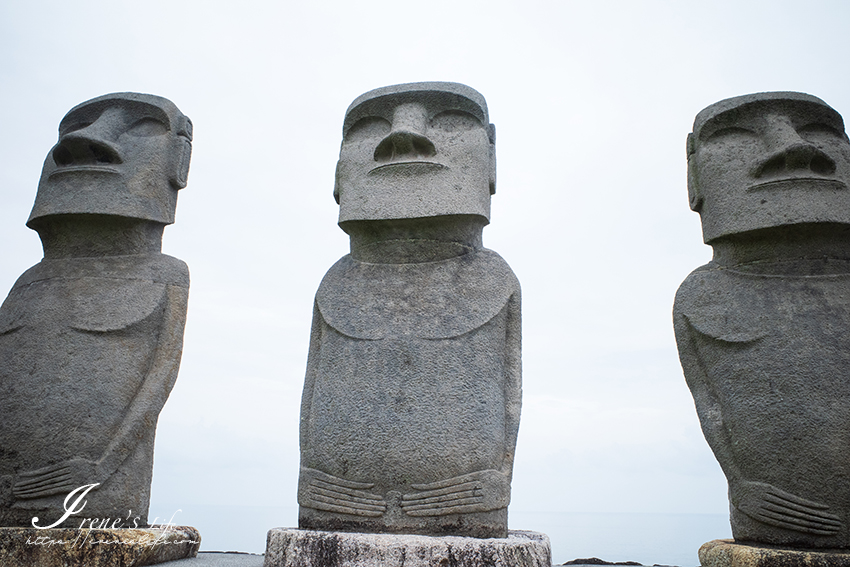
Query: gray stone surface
{"type": "Point", "coordinates": [303, 548]}
{"type": "Point", "coordinates": [412, 394]}
{"type": "Point", "coordinates": [762, 329]}
{"type": "Point", "coordinates": [31, 547]}
{"type": "Point", "coordinates": [727, 553]}
{"type": "Point", "coordinates": [91, 337]}
{"type": "Point", "coordinates": [219, 559]}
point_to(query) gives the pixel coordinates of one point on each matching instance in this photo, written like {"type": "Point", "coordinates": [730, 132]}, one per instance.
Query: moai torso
{"type": "Point", "coordinates": [763, 329]}
{"type": "Point", "coordinates": [412, 395]}
{"type": "Point", "coordinates": [91, 337]}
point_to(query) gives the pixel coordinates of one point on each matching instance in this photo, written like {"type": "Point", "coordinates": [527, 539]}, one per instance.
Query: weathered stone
{"type": "Point", "coordinates": [60, 547]}
{"type": "Point", "coordinates": [91, 337]}
{"type": "Point", "coordinates": [411, 400]}
{"type": "Point", "coordinates": [303, 548]}
{"type": "Point", "coordinates": [727, 553]}
{"type": "Point", "coordinates": [763, 330]}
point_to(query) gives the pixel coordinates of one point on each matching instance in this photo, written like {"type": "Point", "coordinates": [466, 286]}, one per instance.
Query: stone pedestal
{"type": "Point", "coordinates": [727, 553]}
{"type": "Point", "coordinates": [290, 547]}
{"type": "Point", "coordinates": [29, 547]}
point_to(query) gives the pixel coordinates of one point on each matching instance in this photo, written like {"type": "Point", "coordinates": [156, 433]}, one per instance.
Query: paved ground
{"type": "Point", "coordinates": [218, 559]}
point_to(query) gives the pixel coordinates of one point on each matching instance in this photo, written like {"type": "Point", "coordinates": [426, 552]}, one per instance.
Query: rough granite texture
{"type": "Point", "coordinates": [727, 553]}
{"type": "Point", "coordinates": [302, 548]}
{"type": "Point", "coordinates": [91, 337]}
{"type": "Point", "coordinates": [412, 394]}
{"type": "Point", "coordinates": [762, 329]}
{"type": "Point", "coordinates": [31, 547]}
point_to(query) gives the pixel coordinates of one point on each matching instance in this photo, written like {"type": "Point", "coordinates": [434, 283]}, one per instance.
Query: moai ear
{"type": "Point", "coordinates": [491, 133]}
{"type": "Point", "coordinates": [183, 154]}
{"type": "Point", "coordinates": [181, 173]}
{"type": "Point", "coordinates": [336, 184]}
{"type": "Point", "coordinates": [694, 198]}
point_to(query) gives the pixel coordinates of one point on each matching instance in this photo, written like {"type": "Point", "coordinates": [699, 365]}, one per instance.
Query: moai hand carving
{"type": "Point", "coordinates": [763, 330]}
{"type": "Point", "coordinates": [91, 337]}
{"type": "Point", "coordinates": [411, 401]}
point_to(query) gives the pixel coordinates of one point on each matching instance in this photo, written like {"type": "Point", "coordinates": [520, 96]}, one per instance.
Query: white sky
{"type": "Point", "coordinates": [592, 103]}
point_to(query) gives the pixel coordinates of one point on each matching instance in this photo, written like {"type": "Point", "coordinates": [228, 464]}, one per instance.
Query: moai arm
{"type": "Point", "coordinates": [317, 489]}
{"type": "Point", "coordinates": [485, 490]}
{"type": "Point", "coordinates": [63, 477]}
{"type": "Point", "coordinates": [761, 501]}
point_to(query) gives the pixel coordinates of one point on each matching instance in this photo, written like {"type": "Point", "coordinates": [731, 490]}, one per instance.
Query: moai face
{"type": "Point", "coordinates": [767, 160]}
{"type": "Point", "coordinates": [123, 154]}
{"type": "Point", "coordinates": [416, 150]}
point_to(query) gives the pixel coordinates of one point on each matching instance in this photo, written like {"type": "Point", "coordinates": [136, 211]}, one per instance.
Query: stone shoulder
{"type": "Point", "coordinates": [429, 300]}
{"type": "Point", "coordinates": [156, 268]}
{"type": "Point", "coordinates": [722, 304]}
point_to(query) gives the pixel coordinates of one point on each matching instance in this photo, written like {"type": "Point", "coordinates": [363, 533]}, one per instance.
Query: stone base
{"type": "Point", "coordinates": [290, 547]}
{"type": "Point", "coordinates": [727, 553]}
{"type": "Point", "coordinates": [28, 547]}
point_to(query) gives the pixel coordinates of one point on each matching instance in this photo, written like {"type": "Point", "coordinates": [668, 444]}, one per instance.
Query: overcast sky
{"type": "Point", "coordinates": [592, 102]}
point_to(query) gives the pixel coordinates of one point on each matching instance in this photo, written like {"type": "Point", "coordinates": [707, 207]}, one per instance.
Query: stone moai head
{"type": "Point", "coordinates": [414, 151]}
{"type": "Point", "coordinates": [767, 160]}
{"type": "Point", "coordinates": [121, 154]}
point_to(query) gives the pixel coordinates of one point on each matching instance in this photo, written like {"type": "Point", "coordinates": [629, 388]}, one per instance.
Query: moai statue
{"type": "Point", "coordinates": [91, 337]}
{"type": "Point", "coordinates": [763, 329]}
{"type": "Point", "coordinates": [411, 401]}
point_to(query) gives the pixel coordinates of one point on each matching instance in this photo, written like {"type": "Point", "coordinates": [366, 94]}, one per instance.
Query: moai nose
{"type": "Point", "coordinates": [90, 145]}
{"type": "Point", "coordinates": [792, 153]}
{"type": "Point", "coordinates": [407, 139]}
{"type": "Point", "coordinates": [794, 158]}
{"type": "Point", "coordinates": [404, 144]}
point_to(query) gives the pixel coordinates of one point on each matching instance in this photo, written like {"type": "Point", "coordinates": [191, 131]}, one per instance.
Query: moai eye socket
{"type": "Point", "coordinates": [732, 133]}
{"type": "Point", "coordinates": [74, 126]}
{"type": "Point", "coordinates": [818, 131]}
{"type": "Point", "coordinates": [147, 127]}
{"type": "Point", "coordinates": [368, 128]}
{"type": "Point", "coordinates": [455, 121]}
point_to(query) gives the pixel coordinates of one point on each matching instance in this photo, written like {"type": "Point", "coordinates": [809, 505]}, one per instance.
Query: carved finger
{"type": "Point", "coordinates": [46, 483]}
{"type": "Point", "coordinates": [791, 498]}
{"type": "Point", "coordinates": [319, 484]}
{"type": "Point", "coordinates": [418, 499]}
{"type": "Point", "coordinates": [440, 492]}
{"type": "Point", "coordinates": [42, 475]}
{"type": "Point", "coordinates": [61, 488]}
{"type": "Point", "coordinates": [343, 509]}
{"type": "Point", "coordinates": [330, 479]}
{"type": "Point", "coordinates": [443, 506]}
{"type": "Point", "coordinates": [783, 521]}
{"type": "Point", "coordinates": [332, 505]}
{"type": "Point", "coordinates": [347, 503]}
{"type": "Point", "coordinates": [345, 497]}
{"type": "Point", "coordinates": [807, 515]}
{"type": "Point", "coordinates": [449, 482]}
{"type": "Point", "coordinates": [806, 506]}
{"type": "Point", "coordinates": [464, 509]}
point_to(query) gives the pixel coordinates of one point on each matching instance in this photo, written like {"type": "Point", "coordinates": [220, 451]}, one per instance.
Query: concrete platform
{"type": "Point", "coordinates": [727, 553]}
{"type": "Point", "coordinates": [290, 547]}
{"type": "Point", "coordinates": [62, 547]}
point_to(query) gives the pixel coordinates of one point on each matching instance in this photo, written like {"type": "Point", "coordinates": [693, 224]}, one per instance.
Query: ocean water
{"type": "Point", "coordinates": [650, 539]}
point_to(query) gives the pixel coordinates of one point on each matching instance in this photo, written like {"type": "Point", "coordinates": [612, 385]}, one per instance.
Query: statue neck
{"type": "Point", "coordinates": [91, 236]}
{"type": "Point", "coordinates": [412, 241]}
{"type": "Point", "coordinates": [801, 250]}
